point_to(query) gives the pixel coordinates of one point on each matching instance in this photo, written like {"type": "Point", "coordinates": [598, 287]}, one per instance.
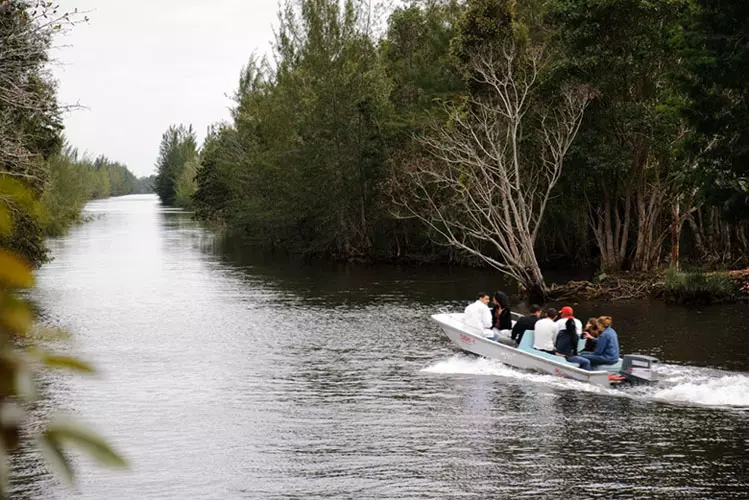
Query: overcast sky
{"type": "Point", "coordinates": [139, 66]}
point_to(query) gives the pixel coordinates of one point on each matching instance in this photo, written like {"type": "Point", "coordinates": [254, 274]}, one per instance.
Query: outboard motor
{"type": "Point", "coordinates": [639, 369]}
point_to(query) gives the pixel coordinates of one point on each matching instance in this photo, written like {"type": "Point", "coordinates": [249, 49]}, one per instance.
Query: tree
{"type": "Point", "coordinates": [490, 172]}
{"type": "Point", "coordinates": [30, 116]}
{"type": "Point", "coordinates": [178, 146]}
{"type": "Point", "coordinates": [632, 146]}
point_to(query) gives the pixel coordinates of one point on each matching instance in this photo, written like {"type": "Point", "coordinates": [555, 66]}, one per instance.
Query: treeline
{"type": "Point", "coordinates": [43, 185]}
{"type": "Point", "coordinates": [177, 166]}
{"type": "Point", "coordinates": [510, 132]}
{"type": "Point", "coordinates": [74, 180]}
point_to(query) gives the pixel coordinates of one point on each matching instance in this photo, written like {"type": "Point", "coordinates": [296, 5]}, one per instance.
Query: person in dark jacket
{"type": "Point", "coordinates": [501, 314]}
{"type": "Point", "coordinates": [526, 323]}
{"type": "Point", "coordinates": [566, 344]}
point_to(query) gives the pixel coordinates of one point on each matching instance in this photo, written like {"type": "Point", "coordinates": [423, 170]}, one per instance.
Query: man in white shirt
{"type": "Point", "coordinates": [545, 332]}
{"type": "Point", "coordinates": [479, 316]}
{"type": "Point", "coordinates": [566, 313]}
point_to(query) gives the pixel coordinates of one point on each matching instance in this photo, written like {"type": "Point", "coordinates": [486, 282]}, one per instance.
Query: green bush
{"type": "Point", "coordinates": [685, 287]}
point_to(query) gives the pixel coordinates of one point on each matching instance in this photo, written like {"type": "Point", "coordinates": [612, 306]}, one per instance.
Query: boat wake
{"type": "Point", "coordinates": [678, 384]}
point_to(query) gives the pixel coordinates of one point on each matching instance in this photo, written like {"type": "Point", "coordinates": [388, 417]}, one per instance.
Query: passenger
{"type": "Point", "coordinates": [501, 314]}
{"type": "Point", "coordinates": [526, 323]}
{"type": "Point", "coordinates": [607, 345]}
{"type": "Point", "coordinates": [593, 330]}
{"type": "Point", "coordinates": [545, 332]}
{"type": "Point", "coordinates": [566, 343]}
{"type": "Point", "coordinates": [478, 315]}
{"type": "Point", "coordinates": [566, 313]}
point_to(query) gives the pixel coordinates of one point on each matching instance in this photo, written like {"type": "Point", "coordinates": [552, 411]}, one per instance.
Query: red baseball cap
{"type": "Point", "coordinates": [566, 311]}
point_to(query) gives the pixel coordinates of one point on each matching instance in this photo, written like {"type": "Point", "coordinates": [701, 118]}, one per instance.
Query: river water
{"type": "Point", "coordinates": [225, 374]}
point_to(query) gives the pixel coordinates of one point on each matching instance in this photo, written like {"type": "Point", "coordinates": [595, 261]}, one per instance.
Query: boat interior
{"type": "Point", "coordinates": [526, 344]}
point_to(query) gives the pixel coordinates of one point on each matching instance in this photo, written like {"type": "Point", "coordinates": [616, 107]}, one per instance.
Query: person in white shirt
{"type": "Point", "coordinates": [545, 332]}
{"type": "Point", "coordinates": [566, 313]}
{"type": "Point", "coordinates": [479, 316]}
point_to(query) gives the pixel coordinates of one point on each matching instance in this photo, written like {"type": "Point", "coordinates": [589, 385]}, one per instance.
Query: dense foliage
{"type": "Point", "coordinates": [176, 166]}
{"type": "Point", "coordinates": [320, 135]}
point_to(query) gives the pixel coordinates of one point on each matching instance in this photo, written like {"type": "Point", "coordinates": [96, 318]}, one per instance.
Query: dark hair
{"type": "Point", "coordinates": [503, 299]}
{"type": "Point", "coordinates": [535, 308]}
{"type": "Point", "coordinates": [481, 295]}
{"type": "Point", "coordinates": [551, 313]}
{"type": "Point", "coordinates": [570, 326]}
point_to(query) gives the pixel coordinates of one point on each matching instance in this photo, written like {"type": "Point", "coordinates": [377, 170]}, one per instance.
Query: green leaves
{"type": "Point", "coordinates": [58, 361]}
{"type": "Point", "coordinates": [14, 273]}
{"type": "Point", "coordinates": [63, 433]}
{"type": "Point", "coordinates": [178, 147]}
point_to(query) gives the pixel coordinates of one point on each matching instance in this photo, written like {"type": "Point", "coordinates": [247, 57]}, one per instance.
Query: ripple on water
{"type": "Point", "coordinates": [229, 376]}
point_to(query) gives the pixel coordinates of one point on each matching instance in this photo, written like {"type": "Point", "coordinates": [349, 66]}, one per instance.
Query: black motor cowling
{"type": "Point", "coordinates": [639, 369]}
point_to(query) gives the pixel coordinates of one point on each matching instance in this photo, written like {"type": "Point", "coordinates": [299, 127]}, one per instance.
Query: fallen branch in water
{"type": "Point", "coordinates": [618, 287]}
{"type": "Point", "coordinates": [729, 286]}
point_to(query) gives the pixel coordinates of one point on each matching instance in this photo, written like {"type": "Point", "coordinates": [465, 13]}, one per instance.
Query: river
{"type": "Point", "coordinates": [224, 374]}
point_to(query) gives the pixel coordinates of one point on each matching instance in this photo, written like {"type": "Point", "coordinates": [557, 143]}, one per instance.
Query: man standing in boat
{"type": "Point", "coordinates": [479, 316]}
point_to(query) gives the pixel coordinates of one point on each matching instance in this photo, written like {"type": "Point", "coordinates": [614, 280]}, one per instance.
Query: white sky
{"type": "Point", "coordinates": [140, 66]}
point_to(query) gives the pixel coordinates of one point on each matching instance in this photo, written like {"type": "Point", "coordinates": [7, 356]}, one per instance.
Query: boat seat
{"type": "Point", "coordinates": [581, 344]}
{"type": "Point", "coordinates": [527, 345]}
{"type": "Point", "coordinates": [527, 342]}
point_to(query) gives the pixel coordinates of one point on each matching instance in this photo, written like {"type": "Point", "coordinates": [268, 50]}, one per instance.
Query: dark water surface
{"type": "Point", "coordinates": [227, 375]}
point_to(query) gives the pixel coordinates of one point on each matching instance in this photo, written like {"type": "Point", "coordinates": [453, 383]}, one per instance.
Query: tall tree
{"type": "Point", "coordinates": [178, 146]}
{"type": "Point", "coordinates": [30, 121]}
{"type": "Point", "coordinates": [716, 54]}
{"type": "Point", "coordinates": [633, 138]}
{"type": "Point", "coordinates": [487, 181]}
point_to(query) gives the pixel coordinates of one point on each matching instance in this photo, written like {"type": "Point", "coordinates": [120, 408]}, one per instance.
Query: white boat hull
{"type": "Point", "coordinates": [467, 339]}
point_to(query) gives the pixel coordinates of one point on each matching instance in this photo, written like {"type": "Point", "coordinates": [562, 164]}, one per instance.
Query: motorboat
{"type": "Point", "coordinates": [633, 368]}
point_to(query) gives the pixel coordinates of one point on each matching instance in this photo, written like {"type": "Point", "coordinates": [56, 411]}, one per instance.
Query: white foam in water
{"type": "Point", "coordinates": [702, 386]}
{"type": "Point", "coordinates": [471, 365]}
{"type": "Point", "coordinates": [679, 384]}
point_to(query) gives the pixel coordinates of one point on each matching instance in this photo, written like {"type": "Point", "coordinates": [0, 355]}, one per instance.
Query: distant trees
{"type": "Point", "coordinates": [175, 166]}
{"type": "Point", "coordinates": [74, 180]}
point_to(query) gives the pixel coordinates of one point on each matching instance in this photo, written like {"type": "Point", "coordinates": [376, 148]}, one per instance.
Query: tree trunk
{"type": "Point", "coordinates": [676, 223]}
{"type": "Point", "coordinates": [534, 286]}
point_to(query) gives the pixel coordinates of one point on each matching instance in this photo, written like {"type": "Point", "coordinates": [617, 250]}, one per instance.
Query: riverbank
{"type": "Point", "coordinates": [668, 285]}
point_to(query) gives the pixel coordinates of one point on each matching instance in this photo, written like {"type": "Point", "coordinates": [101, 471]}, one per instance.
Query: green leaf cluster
{"type": "Point", "coordinates": [176, 166]}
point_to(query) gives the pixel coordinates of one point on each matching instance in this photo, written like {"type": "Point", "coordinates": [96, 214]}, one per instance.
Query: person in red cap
{"type": "Point", "coordinates": [565, 345]}
{"type": "Point", "coordinates": [566, 313]}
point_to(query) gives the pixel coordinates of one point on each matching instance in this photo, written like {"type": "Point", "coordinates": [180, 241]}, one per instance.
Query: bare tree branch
{"type": "Point", "coordinates": [482, 190]}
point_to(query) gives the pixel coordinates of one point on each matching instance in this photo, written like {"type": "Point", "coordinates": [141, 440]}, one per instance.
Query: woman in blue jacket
{"type": "Point", "coordinates": [607, 344]}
